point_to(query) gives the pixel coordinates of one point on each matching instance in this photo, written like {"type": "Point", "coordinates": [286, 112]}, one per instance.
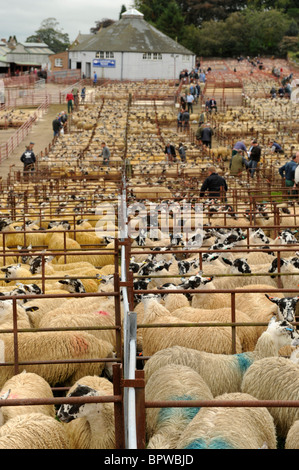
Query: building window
{"type": "Point", "coordinates": [109, 55]}
{"type": "Point", "coordinates": [152, 56]}
{"type": "Point", "coordinates": [100, 55]}
{"type": "Point", "coordinates": [58, 63]}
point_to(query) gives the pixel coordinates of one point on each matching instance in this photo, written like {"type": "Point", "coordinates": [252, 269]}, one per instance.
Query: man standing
{"type": "Point", "coordinates": [105, 154]}
{"type": "Point", "coordinates": [254, 157]}
{"type": "Point", "coordinates": [56, 125]}
{"type": "Point", "coordinates": [170, 153]}
{"type": "Point", "coordinates": [70, 99]}
{"type": "Point", "coordinates": [28, 159]}
{"type": "Point", "coordinates": [75, 92]}
{"type": "Point", "coordinates": [190, 100]}
{"type": "Point", "coordinates": [186, 119]}
{"type": "Point", "coordinates": [214, 183]}
{"type": "Point", "coordinates": [287, 171]}
{"type": "Point", "coordinates": [95, 79]}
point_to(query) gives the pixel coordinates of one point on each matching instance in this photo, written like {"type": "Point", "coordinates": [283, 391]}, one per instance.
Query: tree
{"type": "Point", "coordinates": [198, 11]}
{"type": "Point", "coordinates": [104, 23]}
{"type": "Point", "coordinates": [51, 34]}
{"type": "Point", "coordinates": [123, 9]}
{"type": "Point", "coordinates": [171, 21]}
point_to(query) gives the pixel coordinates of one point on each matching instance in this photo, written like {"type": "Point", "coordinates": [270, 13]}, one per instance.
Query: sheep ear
{"type": "Point", "coordinates": [5, 395]}
{"type": "Point", "coordinates": [227, 261]}
{"type": "Point", "coordinates": [31, 309]}
{"type": "Point", "coordinates": [272, 299]}
{"type": "Point", "coordinates": [61, 281]}
{"type": "Point", "coordinates": [208, 279]}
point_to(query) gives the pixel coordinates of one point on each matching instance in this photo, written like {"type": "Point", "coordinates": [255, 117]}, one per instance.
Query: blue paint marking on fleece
{"type": "Point", "coordinates": [188, 413]}
{"type": "Point", "coordinates": [216, 443]}
{"type": "Point", "coordinates": [243, 361]}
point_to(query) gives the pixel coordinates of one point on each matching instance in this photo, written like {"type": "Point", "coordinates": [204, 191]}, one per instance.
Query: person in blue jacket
{"type": "Point", "coordinates": [287, 171]}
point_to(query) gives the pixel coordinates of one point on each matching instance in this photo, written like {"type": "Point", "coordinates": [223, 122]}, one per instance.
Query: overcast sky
{"type": "Point", "coordinates": [23, 17]}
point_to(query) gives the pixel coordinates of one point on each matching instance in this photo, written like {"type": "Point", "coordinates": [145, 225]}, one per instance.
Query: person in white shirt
{"type": "Point", "coordinates": [190, 100]}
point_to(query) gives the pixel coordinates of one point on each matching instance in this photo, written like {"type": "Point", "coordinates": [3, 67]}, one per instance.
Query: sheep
{"type": "Point", "coordinates": [211, 339]}
{"type": "Point", "coordinates": [287, 266]}
{"type": "Point", "coordinates": [248, 335]}
{"type": "Point", "coordinates": [33, 431]}
{"type": "Point", "coordinates": [90, 425]}
{"type": "Point", "coordinates": [172, 382]}
{"type": "Point", "coordinates": [84, 317]}
{"type": "Point", "coordinates": [27, 385]}
{"type": "Point", "coordinates": [230, 427]}
{"type": "Point", "coordinates": [292, 441]}
{"type": "Point", "coordinates": [223, 373]}
{"type": "Point", "coordinates": [55, 346]}
{"type": "Point", "coordinates": [275, 378]}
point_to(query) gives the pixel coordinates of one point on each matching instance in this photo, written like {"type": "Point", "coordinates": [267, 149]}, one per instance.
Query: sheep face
{"type": "Point", "coordinates": [287, 237]}
{"type": "Point", "coordinates": [11, 272]}
{"type": "Point", "coordinates": [282, 332]}
{"type": "Point", "coordinates": [239, 265]}
{"type": "Point", "coordinates": [260, 235]}
{"type": "Point", "coordinates": [73, 285]}
{"type": "Point", "coordinates": [274, 265]}
{"type": "Point", "coordinates": [286, 307]}
{"type": "Point", "coordinates": [67, 413]}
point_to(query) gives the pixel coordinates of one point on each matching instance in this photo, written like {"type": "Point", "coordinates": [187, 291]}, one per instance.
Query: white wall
{"type": "Point", "coordinates": [132, 66]}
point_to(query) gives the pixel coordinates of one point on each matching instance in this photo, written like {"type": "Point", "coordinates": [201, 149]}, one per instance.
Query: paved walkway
{"type": "Point", "coordinates": [41, 134]}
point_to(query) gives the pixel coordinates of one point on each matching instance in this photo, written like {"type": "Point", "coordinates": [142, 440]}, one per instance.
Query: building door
{"type": "Point", "coordinates": [88, 69]}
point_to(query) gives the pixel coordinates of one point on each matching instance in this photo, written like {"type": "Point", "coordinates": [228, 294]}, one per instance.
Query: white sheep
{"type": "Point", "coordinates": [275, 378]}
{"type": "Point", "coordinates": [56, 346]}
{"type": "Point", "coordinates": [292, 439]}
{"type": "Point", "coordinates": [170, 383]}
{"type": "Point", "coordinates": [223, 373]}
{"type": "Point", "coordinates": [33, 431]}
{"type": "Point", "coordinates": [230, 427]}
{"type": "Point", "coordinates": [90, 425]}
{"type": "Point", "coordinates": [248, 335]}
{"type": "Point", "coordinates": [211, 339]}
{"type": "Point", "coordinates": [27, 385]}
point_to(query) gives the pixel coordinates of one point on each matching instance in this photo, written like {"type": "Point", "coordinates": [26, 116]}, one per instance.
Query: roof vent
{"type": "Point", "coordinates": [132, 12]}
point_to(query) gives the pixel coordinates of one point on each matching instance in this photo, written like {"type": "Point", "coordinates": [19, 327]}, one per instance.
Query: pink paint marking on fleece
{"type": "Point", "coordinates": [102, 312]}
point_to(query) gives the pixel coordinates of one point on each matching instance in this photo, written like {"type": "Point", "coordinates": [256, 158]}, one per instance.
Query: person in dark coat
{"type": "Point", "coordinates": [214, 183]}
{"type": "Point", "coordinates": [170, 153]}
{"type": "Point", "coordinates": [254, 157]}
{"type": "Point", "coordinates": [28, 159]}
{"type": "Point", "coordinates": [56, 125]}
{"type": "Point", "coordinates": [206, 135]}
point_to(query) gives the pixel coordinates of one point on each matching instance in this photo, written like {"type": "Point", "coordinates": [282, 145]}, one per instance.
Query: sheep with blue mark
{"type": "Point", "coordinates": [230, 427]}
{"type": "Point", "coordinates": [172, 383]}
{"type": "Point", "coordinates": [224, 373]}
{"type": "Point", "coordinates": [275, 378]}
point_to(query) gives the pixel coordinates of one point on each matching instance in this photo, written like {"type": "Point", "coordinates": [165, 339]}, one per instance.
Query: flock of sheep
{"type": "Point", "coordinates": [57, 239]}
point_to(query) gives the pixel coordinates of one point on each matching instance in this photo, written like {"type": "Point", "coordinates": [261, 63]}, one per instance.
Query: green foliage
{"type": "Point", "coordinates": [171, 21]}
{"type": "Point", "coordinates": [198, 11]}
{"type": "Point", "coordinates": [50, 34]}
{"type": "Point", "coordinates": [123, 9]}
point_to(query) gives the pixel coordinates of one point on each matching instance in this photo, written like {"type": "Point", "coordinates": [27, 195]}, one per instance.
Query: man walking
{"type": "Point", "coordinates": [206, 134]}
{"type": "Point", "coordinates": [287, 171]}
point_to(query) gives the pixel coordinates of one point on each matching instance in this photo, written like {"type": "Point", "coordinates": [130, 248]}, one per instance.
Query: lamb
{"type": "Point", "coordinates": [56, 346]}
{"type": "Point", "coordinates": [170, 383]}
{"type": "Point", "coordinates": [211, 339]}
{"type": "Point", "coordinates": [275, 378]}
{"type": "Point", "coordinates": [223, 373]}
{"type": "Point", "coordinates": [33, 431]}
{"type": "Point", "coordinates": [27, 385]}
{"type": "Point", "coordinates": [95, 428]}
{"type": "Point", "coordinates": [230, 427]}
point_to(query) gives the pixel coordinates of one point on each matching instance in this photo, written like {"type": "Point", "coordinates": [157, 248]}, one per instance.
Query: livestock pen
{"type": "Point", "coordinates": [61, 202]}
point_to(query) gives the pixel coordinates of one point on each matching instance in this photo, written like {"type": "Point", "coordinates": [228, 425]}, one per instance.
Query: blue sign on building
{"type": "Point", "coordinates": [103, 63]}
